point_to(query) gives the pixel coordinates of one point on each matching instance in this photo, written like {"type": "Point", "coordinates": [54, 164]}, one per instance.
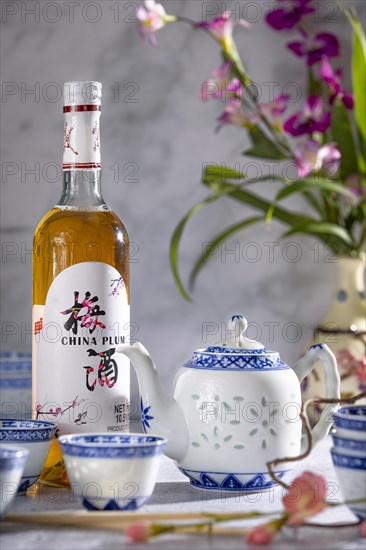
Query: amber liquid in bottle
{"type": "Point", "coordinates": [64, 237]}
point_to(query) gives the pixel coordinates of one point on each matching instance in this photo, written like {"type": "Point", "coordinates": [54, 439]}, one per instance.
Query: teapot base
{"type": "Point", "coordinates": [237, 482]}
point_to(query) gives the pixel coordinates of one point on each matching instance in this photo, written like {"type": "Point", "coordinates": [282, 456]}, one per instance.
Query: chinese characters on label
{"type": "Point", "coordinates": [88, 318]}
{"type": "Point", "coordinates": [107, 369]}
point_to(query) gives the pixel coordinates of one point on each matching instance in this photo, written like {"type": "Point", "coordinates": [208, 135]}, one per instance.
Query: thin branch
{"type": "Point", "coordinates": [273, 463]}
{"type": "Point", "coordinates": [246, 81]}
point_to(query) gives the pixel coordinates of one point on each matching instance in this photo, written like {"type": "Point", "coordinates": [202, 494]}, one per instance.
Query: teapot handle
{"type": "Point", "coordinates": [302, 368]}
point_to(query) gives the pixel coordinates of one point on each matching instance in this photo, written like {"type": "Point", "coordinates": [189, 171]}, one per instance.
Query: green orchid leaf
{"type": "Point", "coordinates": [176, 238]}
{"type": "Point", "coordinates": [322, 229]}
{"type": "Point", "coordinates": [221, 190]}
{"type": "Point", "coordinates": [262, 146]}
{"type": "Point", "coordinates": [314, 185]}
{"type": "Point", "coordinates": [306, 187]}
{"type": "Point", "coordinates": [212, 246]}
{"type": "Point", "coordinates": [359, 83]}
{"type": "Point", "coordinates": [281, 214]}
{"type": "Point", "coordinates": [361, 212]}
{"type": "Point", "coordinates": [216, 172]}
{"type": "Point", "coordinates": [359, 74]}
{"type": "Point", "coordinates": [343, 136]}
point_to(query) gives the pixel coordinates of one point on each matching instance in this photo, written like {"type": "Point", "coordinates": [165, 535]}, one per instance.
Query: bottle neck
{"type": "Point", "coordinates": [82, 189]}
{"type": "Point", "coordinates": [82, 164]}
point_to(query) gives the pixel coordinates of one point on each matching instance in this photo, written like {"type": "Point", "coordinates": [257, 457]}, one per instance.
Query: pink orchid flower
{"type": "Point", "coordinates": [361, 373]}
{"type": "Point", "coordinates": [38, 407]}
{"type": "Point", "coordinates": [315, 47]}
{"type": "Point", "coordinates": [222, 29]}
{"type": "Point", "coordinates": [289, 14]}
{"type": "Point", "coordinates": [345, 359]}
{"type": "Point", "coordinates": [273, 110]}
{"type": "Point", "coordinates": [138, 532]}
{"type": "Point", "coordinates": [311, 156]}
{"type": "Point", "coordinates": [363, 529]}
{"type": "Point", "coordinates": [305, 497]}
{"type": "Point", "coordinates": [333, 79]}
{"type": "Point", "coordinates": [234, 114]}
{"type": "Point", "coordinates": [354, 184]}
{"type": "Point", "coordinates": [311, 119]}
{"type": "Point", "coordinates": [262, 534]}
{"type": "Point", "coordinates": [152, 17]}
{"type": "Point", "coordinates": [221, 85]}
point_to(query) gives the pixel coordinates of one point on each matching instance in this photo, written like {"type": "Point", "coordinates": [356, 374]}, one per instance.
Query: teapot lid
{"type": "Point", "coordinates": [237, 353]}
{"type": "Point", "coordinates": [237, 342]}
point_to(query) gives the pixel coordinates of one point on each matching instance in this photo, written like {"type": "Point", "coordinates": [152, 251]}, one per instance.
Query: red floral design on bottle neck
{"type": "Point", "coordinates": [67, 136]}
{"type": "Point", "coordinates": [95, 132]}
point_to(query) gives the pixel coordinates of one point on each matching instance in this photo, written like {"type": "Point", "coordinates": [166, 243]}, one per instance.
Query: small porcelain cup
{"type": "Point", "coordinates": [348, 446]}
{"type": "Point", "coordinates": [12, 462]}
{"type": "Point", "coordinates": [15, 384]}
{"type": "Point", "coordinates": [351, 474]}
{"type": "Point", "coordinates": [112, 472]}
{"type": "Point", "coordinates": [33, 435]}
{"type": "Point", "coordinates": [350, 422]}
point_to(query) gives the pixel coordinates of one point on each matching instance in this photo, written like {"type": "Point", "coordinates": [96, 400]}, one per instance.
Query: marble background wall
{"type": "Point", "coordinates": [154, 119]}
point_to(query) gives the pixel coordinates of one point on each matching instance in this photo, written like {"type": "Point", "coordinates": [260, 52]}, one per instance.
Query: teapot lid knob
{"type": "Point", "coordinates": [238, 325]}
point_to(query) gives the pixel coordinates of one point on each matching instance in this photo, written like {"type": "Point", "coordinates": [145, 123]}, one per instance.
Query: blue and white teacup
{"type": "Point", "coordinates": [350, 422]}
{"type": "Point", "coordinates": [12, 462]}
{"type": "Point", "coordinates": [35, 436]}
{"type": "Point", "coordinates": [15, 384]}
{"type": "Point", "coordinates": [351, 474]}
{"type": "Point", "coordinates": [346, 445]}
{"type": "Point", "coordinates": [112, 472]}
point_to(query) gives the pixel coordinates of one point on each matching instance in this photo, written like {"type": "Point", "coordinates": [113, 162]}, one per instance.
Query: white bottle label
{"type": "Point", "coordinates": [80, 381]}
{"type": "Point", "coordinates": [82, 137]}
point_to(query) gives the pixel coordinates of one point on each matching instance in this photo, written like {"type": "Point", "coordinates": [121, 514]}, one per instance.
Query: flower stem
{"type": "Point", "coordinates": [232, 55]}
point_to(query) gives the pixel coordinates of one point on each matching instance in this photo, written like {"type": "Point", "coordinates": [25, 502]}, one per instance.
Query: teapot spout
{"type": "Point", "coordinates": [160, 415]}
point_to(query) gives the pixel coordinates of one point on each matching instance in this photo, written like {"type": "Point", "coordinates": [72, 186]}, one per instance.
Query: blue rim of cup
{"type": "Point", "coordinates": [107, 445]}
{"type": "Point", "coordinates": [349, 418]}
{"type": "Point", "coordinates": [352, 462]}
{"type": "Point", "coordinates": [18, 430]}
{"type": "Point", "coordinates": [348, 443]}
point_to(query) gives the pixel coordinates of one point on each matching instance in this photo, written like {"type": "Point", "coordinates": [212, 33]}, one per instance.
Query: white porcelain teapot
{"type": "Point", "coordinates": [235, 407]}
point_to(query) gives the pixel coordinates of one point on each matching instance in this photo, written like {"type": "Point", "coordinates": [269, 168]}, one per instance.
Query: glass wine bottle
{"type": "Point", "coordinates": [80, 293]}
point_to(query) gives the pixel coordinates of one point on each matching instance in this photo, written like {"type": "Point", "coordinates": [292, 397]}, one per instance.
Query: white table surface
{"type": "Point", "coordinates": [173, 493]}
